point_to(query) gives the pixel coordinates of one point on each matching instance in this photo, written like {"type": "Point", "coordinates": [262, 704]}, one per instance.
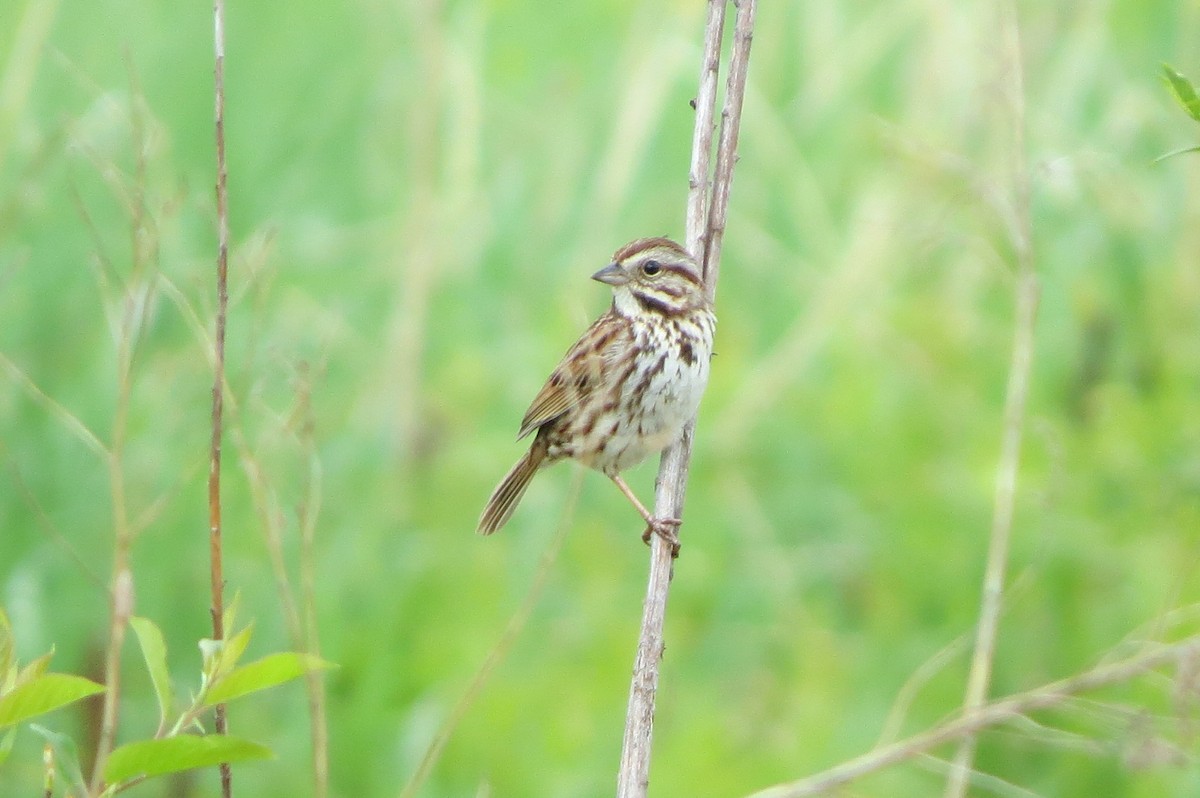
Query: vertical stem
{"type": "Point", "coordinates": [633, 778]}
{"type": "Point", "coordinates": [121, 595]}
{"type": "Point", "coordinates": [703, 241]}
{"type": "Point", "coordinates": [121, 591]}
{"type": "Point", "coordinates": [1016, 399]}
{"type": "Point", "coordinates": [218, 397]}
{"type": "Point", "coordinates": [307, 634]}
{"type": "Point", "coordinates": [731, 115]}
{"type": "Point", "coordinates": [702, 134]}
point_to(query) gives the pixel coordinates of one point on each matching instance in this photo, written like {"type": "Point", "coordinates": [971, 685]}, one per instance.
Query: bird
{"type": "Point", "coordinates": [628, 386]}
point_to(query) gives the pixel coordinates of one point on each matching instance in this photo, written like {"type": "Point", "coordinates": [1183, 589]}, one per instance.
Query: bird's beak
{"type": "Point", "coordinates": [612, 274]}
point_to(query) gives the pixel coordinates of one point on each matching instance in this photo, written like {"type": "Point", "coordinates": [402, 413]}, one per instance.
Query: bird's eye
{"type": "Point", "coordinates": [651, 268]}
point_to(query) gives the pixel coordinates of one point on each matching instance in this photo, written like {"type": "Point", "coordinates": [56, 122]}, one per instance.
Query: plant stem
{"type": "Point", "coordinates": [997, 712]}
{"type": "Point", "coordinates": [1017, 396]}
{"type": "Point", "coordinates": [217, 584]}
{"type": "Point", "coordinates": [135, 293]}
{"type": "Point", "coordinates": [705, 228]}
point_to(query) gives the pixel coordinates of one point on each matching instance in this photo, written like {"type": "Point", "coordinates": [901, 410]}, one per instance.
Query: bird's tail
{"type": "Point", "coordinates": [508, 493]}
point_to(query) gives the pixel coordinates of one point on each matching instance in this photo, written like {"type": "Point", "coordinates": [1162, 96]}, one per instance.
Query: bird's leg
{"type": "Point", "coordinates": [665, 528]}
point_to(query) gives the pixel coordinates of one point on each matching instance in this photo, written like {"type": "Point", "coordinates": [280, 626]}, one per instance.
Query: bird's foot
{"type": "Point", "coordinates": [665, 528]}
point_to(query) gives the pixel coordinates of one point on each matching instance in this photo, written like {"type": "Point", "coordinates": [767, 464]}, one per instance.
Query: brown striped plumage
{"type": "Point", "coordinates": [629, 384]}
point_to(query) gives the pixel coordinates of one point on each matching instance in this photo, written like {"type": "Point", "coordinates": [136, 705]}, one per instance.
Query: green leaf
{"type": "Point", "coordinates": [7, 661]}
{"type": "Point", "coordinates": [1184, 91]}
{"type": "Point", "coordinates": [154, 650]}
{"type": "Point", "coordinates": [43, 694]}
{"type": "Point", "coordinates": [35, 669]}
{"type": "Point", "coordinates": [266, 672]}
{"type": "Point", "coordinates": [229, 617]}
{"type": "Point", "coordinates": [6, 744]}
{"type": "Point", "coordinates": [1173, 153]}
{"type": "Point", "coordinates": [221, 656]}
{"type": "Point", "coordinates": [173, 754]}
{"type": "Point", "coordinates": [66, 758]}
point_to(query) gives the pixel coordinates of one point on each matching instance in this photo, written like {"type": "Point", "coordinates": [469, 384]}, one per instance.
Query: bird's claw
{"type": "Point", "coordinates": [665, 528]}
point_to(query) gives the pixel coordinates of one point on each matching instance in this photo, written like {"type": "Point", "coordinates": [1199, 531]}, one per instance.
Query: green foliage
{"type": "Point", "coordinates": [414, 220]}
{"type": "Point", "coordinates": [221, 656]}
{"type": "Point", "coordinates": [261, 674]}
{"type": "Point", "coordinates": [28, 692]}
{"type": "Point", "coordinates": [63, 760]}
{"type": "Point", "coordinates": [43, 694]}
{"type": "Point", "coordinates": [1185, 94]}
{"type": "Point", "coordinates": [31, 692]}
{"type": "Point", "coordinates": [222, 680]}
{"type": "Point", "coordinates": [1183, 91]}
{"type": "Point", "coordinates": [154, 651]}
{"type": "Point", "coordinates": [174, 754]}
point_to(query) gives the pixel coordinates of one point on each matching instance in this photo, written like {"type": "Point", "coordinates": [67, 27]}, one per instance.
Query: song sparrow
{"type": "Point", "coordinates": [629, 384]}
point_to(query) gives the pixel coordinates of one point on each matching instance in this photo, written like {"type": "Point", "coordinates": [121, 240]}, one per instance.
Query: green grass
{"type": "Point", "coordinates": [417, 198]}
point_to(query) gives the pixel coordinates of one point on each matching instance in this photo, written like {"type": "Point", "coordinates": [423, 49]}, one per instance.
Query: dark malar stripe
{"type": "Point", "coordinates": [654, 305]}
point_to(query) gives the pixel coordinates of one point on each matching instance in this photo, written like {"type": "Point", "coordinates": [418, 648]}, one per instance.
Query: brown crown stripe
{"type": "Point", "coordinates": [634, 247]}
{"type": "Point", "coordinates": [647, 246]}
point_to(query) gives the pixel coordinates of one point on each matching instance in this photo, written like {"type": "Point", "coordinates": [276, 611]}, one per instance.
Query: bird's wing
{"type": "Point", "coordinates": [578, 374]}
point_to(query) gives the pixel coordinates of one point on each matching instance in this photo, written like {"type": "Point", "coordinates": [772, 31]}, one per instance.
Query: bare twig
{"type": "Point", "coordinates": [731, 118]}
{"type": "Point", "coordinates": [51, 530]}
{"type": "Point", "coordinates": [1020, 371]}
{"type": "Point", "coordinates": [309, 634]}
{"type": "Point", "coordinates": [121, 596]}
{"type": "Point", "coordinates": [633, 777]}
{"type": "Point", "coordinates": [64, 416]}
{"type": "Point", "coordinates": [702, 135]}
{"type": "Point", "coordinates": [27, 43]}
{"type": "Point", "coordinates": [419, 258]}
{"type": "Point", "coordinates": [217, 584]}
{"type": "Point", "coordinates": [298, 612]}
{"type": "Point", "coordinates": [705, 227]}
{"type": "Point", "coordinates": [987, 715]}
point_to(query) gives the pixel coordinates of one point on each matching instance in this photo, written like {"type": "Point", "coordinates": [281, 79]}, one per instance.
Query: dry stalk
{"type": "Point", "coordinates": [705, 228]}
{"type": "Point", "coordinates": [121, 592]}
{"type": "Point", "coordinates": [217, 583]}
{"type": "Point", "coordinates": [309, 633]}
{"type": "Point", "coordinates": [299, 614]}
{"type": "Point", "coordinates": [1019, 376]}
{"type": "Point", "coordinates": [988, 715]}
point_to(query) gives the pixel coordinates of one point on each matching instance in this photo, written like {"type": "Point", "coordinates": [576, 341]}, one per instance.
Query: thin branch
{"type": "Point", "coordinates": [51, 530]}
{"type": "Point", "coordinates": [121, 595]}
{"type": "Point", "coordinates": [65, 417]}
{"type": "Point", "coordinates": [988, 715]}
{"type": "Point", "coordinates": [27, 45]}
{"type": "Point", "coordinates": [1019, 376]}
{"type": "Point", "coordinates": [309, 513]}
{"type": "Point", "coordinates": [217, 584]}
{"type": "Point", "coordinates": [731, 117]}
{"type": "Point", "coordinates": [703, 241]}
{"type": "Point", "coordinates": [633, 778]}
{"type": "Point", "coordinates": [702, 135]}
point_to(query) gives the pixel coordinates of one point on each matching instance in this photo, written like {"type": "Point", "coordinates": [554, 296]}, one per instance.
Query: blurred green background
{"type": "Point", "coordinates": [418, 194]}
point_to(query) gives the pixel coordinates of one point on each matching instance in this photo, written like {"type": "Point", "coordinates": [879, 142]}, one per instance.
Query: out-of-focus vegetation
{"type": "Point", "coordinates": [418, 193]}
